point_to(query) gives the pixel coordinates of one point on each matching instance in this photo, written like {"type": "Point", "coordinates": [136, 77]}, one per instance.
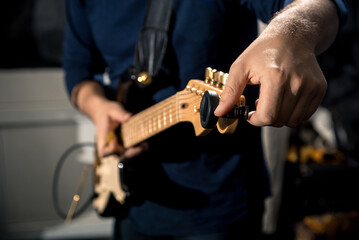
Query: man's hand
{"type": "Point", "coordinates": [291, 83]}
{"type": "Point", "coordinates": [107, 115]}
{"type": "Point", "coordinates": [283, 61]}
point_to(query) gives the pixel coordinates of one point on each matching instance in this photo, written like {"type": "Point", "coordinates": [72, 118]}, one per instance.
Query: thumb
{"type": "Point", "coordinates": [232, 91]}
{"type": "Point", "coordinates": [119, 114]}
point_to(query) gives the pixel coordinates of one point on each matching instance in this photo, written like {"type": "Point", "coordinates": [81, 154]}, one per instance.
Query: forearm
{"type": "Point", "coordinates": [310, 23]}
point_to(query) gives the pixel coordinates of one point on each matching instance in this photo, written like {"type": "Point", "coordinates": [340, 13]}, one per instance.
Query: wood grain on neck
{"type": "Point", "coordinates": [150, 122]}
{"type": "Point", "coordinates": [184, 106]}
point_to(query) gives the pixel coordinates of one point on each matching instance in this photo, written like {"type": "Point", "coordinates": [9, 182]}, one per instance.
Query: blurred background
{"type": "Point", "coordinates": [41, 134]}
{"type": "Point", "coordinates": [37, 126]}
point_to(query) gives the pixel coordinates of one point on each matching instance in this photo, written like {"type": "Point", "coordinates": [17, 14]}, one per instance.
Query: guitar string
{"type": "Point", "coordinates": [150, 114]}
{"type": "Point", "coordinates": [165, 105]}
{"type": "Point", "coordinates": [177, 95]}
{"type": "Point", "coordinates": [161, 107]}
{"type": "Point", "coordinates": [136, 134]}
{"type": "Point", "coordinates": [153, 112]}
{"type": "Point", "coordinates": [167, 109]}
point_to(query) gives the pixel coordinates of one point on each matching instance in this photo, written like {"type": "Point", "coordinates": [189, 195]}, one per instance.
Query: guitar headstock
{"type": "Point", "coordinates": [190, 103]}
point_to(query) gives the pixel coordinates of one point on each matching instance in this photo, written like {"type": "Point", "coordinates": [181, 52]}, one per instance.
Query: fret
{"type": "Point", "coordinates": [158, 116]}
{"type": "Point", "coordinates": [147, 127]}
{"type": "Point", "coordinates": [150, 125]}
{"type": "Point", "coordinates": [176, 109]}
{"type": "Point", "coordinates": [170, 113]}
{"type": "Point", "coordinates": [153, 119]}
{"type": "Point", "coordinates": [164, 117]}
{"type": "Point", "coordinates": [150, 121]}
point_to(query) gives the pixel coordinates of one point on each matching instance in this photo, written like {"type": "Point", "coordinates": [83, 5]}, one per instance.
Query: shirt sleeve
{"type": "Point", "coordinates": [81, 59]}
{"type": "Point", "coordinates": [342, 13]}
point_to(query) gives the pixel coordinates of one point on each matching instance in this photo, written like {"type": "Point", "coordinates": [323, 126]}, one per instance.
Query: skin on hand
{"type": "Point", "coordinates": [107, 115]}
{"type": "Point", "coordinates": [282, 60]}
{"type": "Point", "coordinates": [291, 83]}
{"type": "Point", "coordinates": [110, 116]}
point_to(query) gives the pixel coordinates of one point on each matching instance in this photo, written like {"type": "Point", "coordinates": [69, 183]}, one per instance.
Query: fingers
{"type": "Point", "coordinates": [270, 99]}
{"type": "Point", "coordinates": [289, 106]}
{"type": "Point", "coordinates": [111, 116]}
{"type": "Point", "coordinates": [101, 136]}
{"type": "Point", "coordinates": [137, 150]}
{"type": "Point", "coordinates": [118, 113]}
{"type": "Point", "coordinates": [107, 141]}
{"type": "Point", "coordinates": [111, 145]}
{"type": "Point", "coordinates": [233, 89]}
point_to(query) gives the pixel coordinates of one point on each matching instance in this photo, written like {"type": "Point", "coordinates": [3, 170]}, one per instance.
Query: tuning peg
{"type": "Point", "coordinates": [216, 76]}
{"type": "Point", "coordinates": [208, 75]}
{"type": "Point", "coordinates": [222, 80]}
{"type": "Point", "coordinates": [209, 103]}
{"type": "Point", "coordinates": [212, 76]}
{"type": "Point", "coordinates": [240, 112]}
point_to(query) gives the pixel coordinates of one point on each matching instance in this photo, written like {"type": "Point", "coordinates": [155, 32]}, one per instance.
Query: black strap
{"type": "Point", "coordinates": [152, 42]}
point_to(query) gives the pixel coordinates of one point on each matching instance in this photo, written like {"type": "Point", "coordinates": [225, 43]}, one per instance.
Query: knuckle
{"type": "Point", "coordinates": [292, 124]}
{"type": "Point", "coordinates": [238, 63]}
{"type": "Point", "coordinates": [278, 124]}
{"type": "Point", "coordinates": [319, 85]}
{"type": "Point", "coordinates": [278, 75]}
{"type": "Point", "coordinates": [229, 91]}
{"type": "Point", "coordinates": [267, 119]}
{"type": "Point", "coordinates": [323, 87]}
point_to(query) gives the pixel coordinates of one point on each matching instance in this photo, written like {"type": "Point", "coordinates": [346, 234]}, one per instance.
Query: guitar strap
{"type": "Point", "coordinates": [152, 42]}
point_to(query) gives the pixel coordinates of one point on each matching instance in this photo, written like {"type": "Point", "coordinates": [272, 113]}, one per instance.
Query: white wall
{"type": "Point", "coordinates": [37, 124]}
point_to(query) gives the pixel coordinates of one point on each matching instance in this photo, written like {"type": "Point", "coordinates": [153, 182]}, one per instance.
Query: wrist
{"type": "Point", "coordinates": [306, 24]}
{"type": "Point", "coordinates": [88, 96]}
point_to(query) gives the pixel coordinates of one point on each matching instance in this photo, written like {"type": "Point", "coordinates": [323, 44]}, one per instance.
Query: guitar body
{"type": "Point", "coordinates": [109, 194]}
{"type": "Point", "coordinates": [116, 189]}
{"type": "Point", "coordinates": [114, 178]}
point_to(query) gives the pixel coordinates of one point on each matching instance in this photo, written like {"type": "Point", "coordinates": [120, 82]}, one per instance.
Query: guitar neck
{"type": "Point", "coordinates": [150, 121]}
{"type": "Point", "coordinates": [184, 106]}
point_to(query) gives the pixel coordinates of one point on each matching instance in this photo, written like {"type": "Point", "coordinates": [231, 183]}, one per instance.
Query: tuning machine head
{"type": "Point", "coordinates": [209, 103]}
{"type": "Point", "coordinates": [215, 78]}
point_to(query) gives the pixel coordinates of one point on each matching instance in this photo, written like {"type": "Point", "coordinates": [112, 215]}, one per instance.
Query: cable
{"type": "Point", "coordinates": [55, 181]}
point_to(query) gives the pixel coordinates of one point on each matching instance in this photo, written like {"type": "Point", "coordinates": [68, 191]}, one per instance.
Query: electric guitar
{"type": "Point", "coordinates": [195, 104]}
